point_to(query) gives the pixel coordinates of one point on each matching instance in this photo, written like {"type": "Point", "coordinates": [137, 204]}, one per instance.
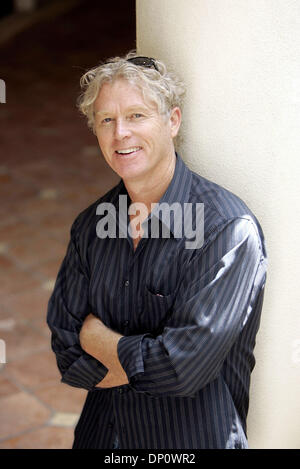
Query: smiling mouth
{"type": "Point", "coordinates": [128, 151]}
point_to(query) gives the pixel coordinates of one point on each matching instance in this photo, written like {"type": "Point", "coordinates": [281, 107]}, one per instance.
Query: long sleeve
{"type": "Point", "coordinates": [212, 305]}
{"type": "Point", "coordinates": [67, 308]}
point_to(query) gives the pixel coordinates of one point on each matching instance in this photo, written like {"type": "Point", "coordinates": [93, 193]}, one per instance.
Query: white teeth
{"type": "Point", "coordinates": [129, 150]}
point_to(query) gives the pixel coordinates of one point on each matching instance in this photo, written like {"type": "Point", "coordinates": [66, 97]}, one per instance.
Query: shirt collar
{"type": "Point", "coordinates": [179, 188]}
{"type": "Point", "coordinates": [177, 194]}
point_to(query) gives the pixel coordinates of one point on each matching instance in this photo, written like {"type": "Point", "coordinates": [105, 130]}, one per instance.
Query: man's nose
{"type": "Point", "coordinates": [122, 129]}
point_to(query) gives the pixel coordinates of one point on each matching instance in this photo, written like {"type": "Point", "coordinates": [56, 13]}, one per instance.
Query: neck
{"type": "Point", "coordinates": [148, 191]}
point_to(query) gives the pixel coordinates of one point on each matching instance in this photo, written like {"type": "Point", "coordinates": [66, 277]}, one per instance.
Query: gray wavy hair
{"type": "Point", "coordinates": [160, 86]}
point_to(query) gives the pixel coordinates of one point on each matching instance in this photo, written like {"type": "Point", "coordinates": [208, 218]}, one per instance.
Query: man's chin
{"type": "Point", "coordinates": [133, 173]}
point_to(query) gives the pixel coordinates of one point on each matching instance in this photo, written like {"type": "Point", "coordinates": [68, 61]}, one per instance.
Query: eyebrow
{"type": "Point", "coordinates": [129, 109]}
{"type": "Point", "coordinates": [102, 113]}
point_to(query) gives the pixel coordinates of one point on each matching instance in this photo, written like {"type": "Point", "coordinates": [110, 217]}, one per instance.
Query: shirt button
{"type": "Point", "coordinates": [120, 391]}
{"type": "Point", "coordinates": [126, 283]}
{"type": "Point", "coordinates": [126, 323]}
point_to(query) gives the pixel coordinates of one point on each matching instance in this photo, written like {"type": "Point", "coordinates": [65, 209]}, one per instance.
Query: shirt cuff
{"type": "Point", "coordinates": [131, 355]}
{"type": "Point", "coordinates": [86, 372]}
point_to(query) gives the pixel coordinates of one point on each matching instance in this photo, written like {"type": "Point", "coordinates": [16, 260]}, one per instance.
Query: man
{"type": "Point", "coordinates": [159, 330]}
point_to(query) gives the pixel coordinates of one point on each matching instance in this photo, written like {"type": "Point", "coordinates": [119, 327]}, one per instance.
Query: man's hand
{"type": "Point", "coordinates": [102, 343]}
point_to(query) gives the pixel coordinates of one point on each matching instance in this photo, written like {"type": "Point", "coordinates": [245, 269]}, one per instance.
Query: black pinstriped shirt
{"type": "Point", "coordinates": [189, 318]}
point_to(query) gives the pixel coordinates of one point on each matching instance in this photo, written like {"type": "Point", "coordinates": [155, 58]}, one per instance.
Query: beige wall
{"type": "Point", "coordinates": [241, 62]}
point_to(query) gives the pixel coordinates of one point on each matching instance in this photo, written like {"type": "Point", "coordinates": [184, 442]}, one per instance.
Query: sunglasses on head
{"type": "Point", "coordinates": [143, 62]}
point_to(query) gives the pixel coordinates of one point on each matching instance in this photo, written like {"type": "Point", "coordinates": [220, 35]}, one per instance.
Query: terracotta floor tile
{"type": "Point", "coordinates": [7, 215]}
{"type": "Point", "coordinates": [5, 263]}
{"type": "Point", "coordinates": [57, 225]}
{"type": "Point", "coordinates": [21, 412]}
{"type": "Point", "coordinates": [37, 170]}
{"type": "Point", "coordinates": [90, 151]}
{"type": "Point", "coordinates": [38, 248]}
{"type": "Point", "coordinates": [46, 174]}
{"type": "Point", "coordinates": [7, 324]}
{"type": "Point", "coordinates": [48, 193]}
{"type": "Point", "coordinates": [23, 341]}
{"type": "Point", "coordinates": [49, 285]}
{"type": "Point", "coordinates": [63, 398]}
{"type": "Point", "coordinates": [50, 268]}
{"type": "Point", "coordinates": [28, 304]}
{"type": "Point", "coordinates": [16, 230]}
{"type": "Point", "coordinates": [64, 419]}
{"type": "Point", "coordinates": [12, 189]}
{"type": "Point", "coordinates": [43, 438]}
{"type": "Point", "coordinates": [15, 279]}
{"type": "Point", "coordinates": [34, 371]}
{"type": "Point", "coordinates": [6, 387]}
{"type": "Point", "coordinates": [35, 208]}
{"type": "Point", "coordinates": [51, 172]}
{"type": "Point", "coordinates": [40, 325]}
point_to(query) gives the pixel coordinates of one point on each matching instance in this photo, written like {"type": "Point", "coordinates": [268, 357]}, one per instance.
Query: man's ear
{"type": "Point", "coordinates": [175, 121]}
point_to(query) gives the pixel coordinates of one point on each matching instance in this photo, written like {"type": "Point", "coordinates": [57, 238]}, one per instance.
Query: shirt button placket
{"type": "Point", "coordinates": [126, 322]}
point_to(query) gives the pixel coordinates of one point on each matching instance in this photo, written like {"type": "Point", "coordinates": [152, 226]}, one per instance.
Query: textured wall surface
{"type": "Point", "coordinates": [241, 63]}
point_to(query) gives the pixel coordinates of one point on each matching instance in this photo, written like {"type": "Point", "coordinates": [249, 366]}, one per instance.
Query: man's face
{"type": "Point", "coordinates": [136, 141]}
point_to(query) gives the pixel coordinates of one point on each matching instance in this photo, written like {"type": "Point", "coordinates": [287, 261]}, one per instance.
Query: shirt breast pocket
{"type": "Point", "coordinates": [156, 309]}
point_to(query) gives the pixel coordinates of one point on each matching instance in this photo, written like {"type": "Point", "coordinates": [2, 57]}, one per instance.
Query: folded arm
{"type": "Point", "coordinates": [68, 307]}
{"type": "Point", "coordinates": [210, 308]}
{"type": "Point", "coordinates": [102, 343]}
{"type": "Point", "coordinates": [214, 301]}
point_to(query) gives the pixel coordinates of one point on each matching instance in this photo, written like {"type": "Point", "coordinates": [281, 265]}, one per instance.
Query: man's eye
{"type": "Point", "coordinates": [106, 120]}
{"type": "Point", "coordinates": [136, 115]}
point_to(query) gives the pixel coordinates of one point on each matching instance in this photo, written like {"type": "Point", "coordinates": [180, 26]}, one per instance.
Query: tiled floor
{"type": "Point", "coordinates": [50, 169]}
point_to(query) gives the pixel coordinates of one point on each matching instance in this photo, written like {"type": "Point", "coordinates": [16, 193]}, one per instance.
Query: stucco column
{"type": "Point", "coordinates": [240, 60]}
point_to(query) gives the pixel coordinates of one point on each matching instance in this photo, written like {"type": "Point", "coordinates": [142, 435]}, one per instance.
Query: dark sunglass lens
{"type": "Point", "coordinates": [143, 61]}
